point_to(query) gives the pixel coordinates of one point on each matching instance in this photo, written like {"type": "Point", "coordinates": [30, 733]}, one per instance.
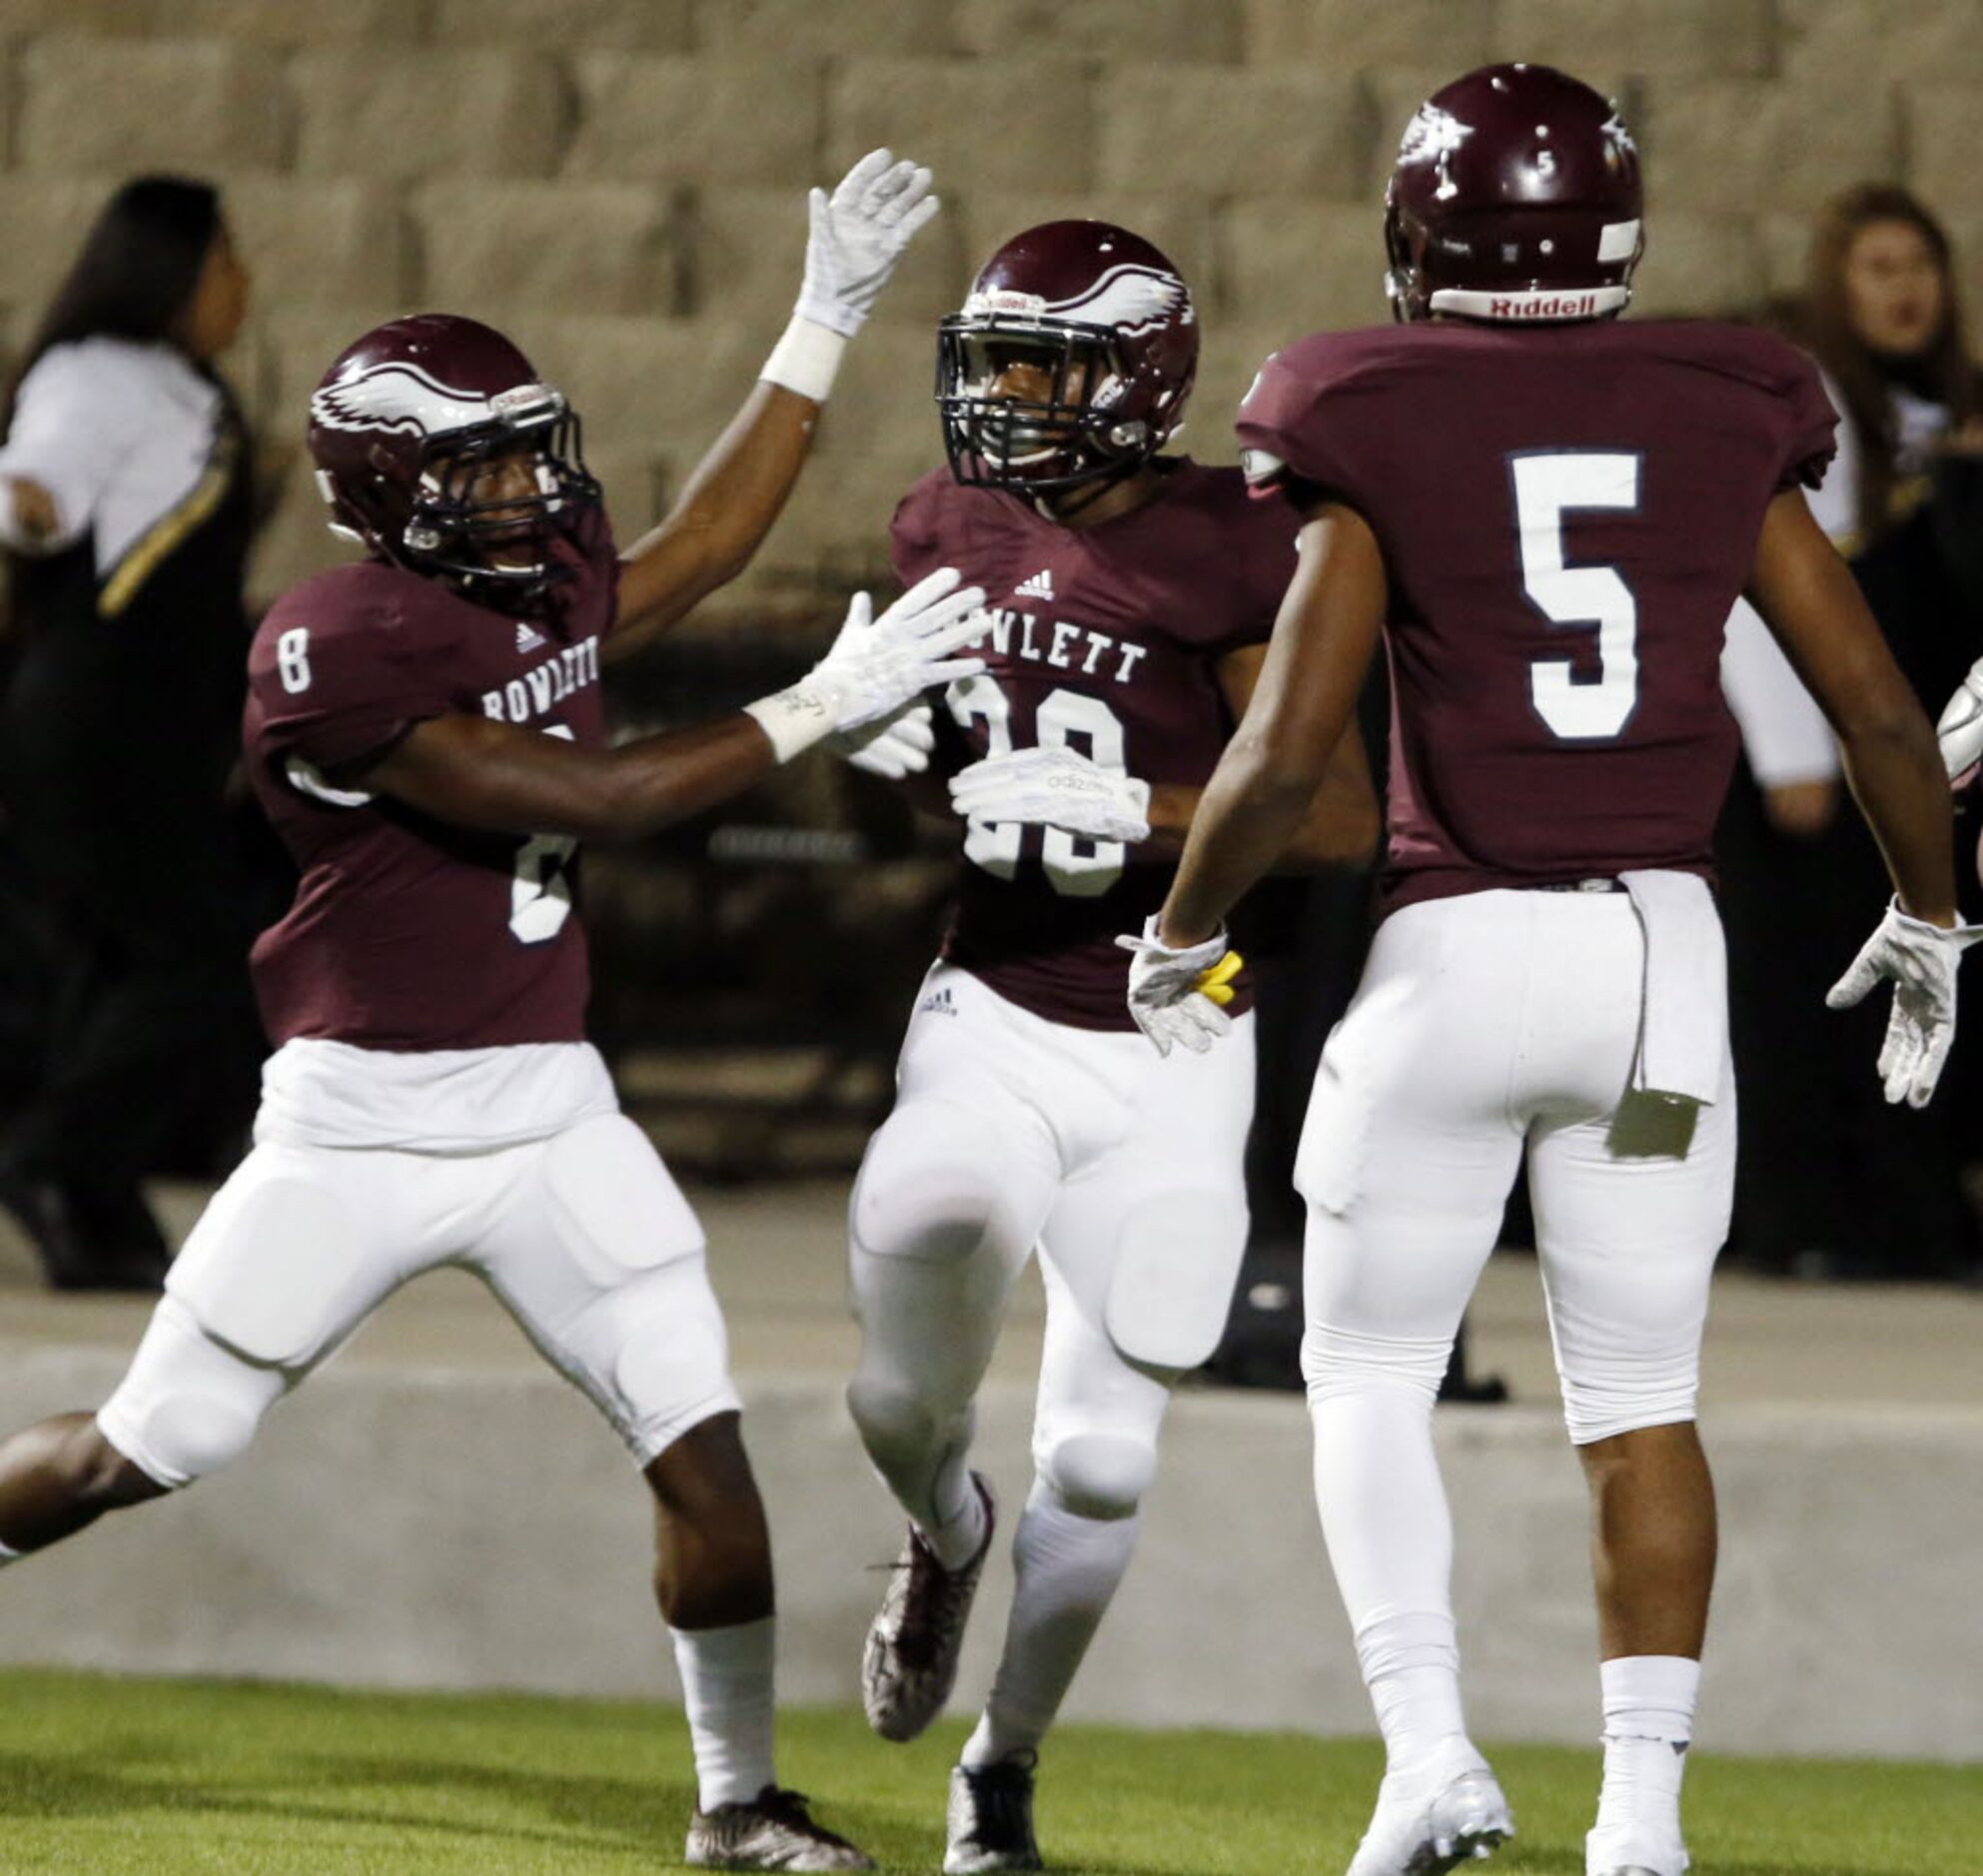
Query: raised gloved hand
{"type": "Point", "coordinates": [1179, 995]}
{"type": "Point", "coordinates": [1961, 728]}
{"type": "Point", "coordinates": [1054, 788]}
{"type": "Point", "coordinates": [1919, 960]}
{"type": "Point", "coordinates": [876, 666]}
{"type": "Point", "coordinates": [895, 747]}
{"type": "Point", "coordinates": [857, 234]}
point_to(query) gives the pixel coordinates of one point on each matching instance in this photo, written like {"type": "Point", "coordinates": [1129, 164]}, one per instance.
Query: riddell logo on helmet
{"type": "Point", "coordinates": [1543, 306]}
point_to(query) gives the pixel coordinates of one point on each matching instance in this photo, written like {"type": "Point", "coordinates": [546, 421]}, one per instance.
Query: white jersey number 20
{"type": "Point", "coordinates": [1545, 488]}
{"type": "Point", "coordinates": [1077, 869]}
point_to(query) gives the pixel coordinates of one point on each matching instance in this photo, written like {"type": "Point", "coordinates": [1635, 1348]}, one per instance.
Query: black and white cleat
{"type": "Point", "coordinates": [773, 1830]}
{"type": "Point", "coordinates": [909, 1664]}
{"type": "Point", "coordinates": [991, 1817]}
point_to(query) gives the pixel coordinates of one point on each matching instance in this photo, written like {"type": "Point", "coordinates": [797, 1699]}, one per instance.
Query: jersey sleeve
{"type": "Point", "coordinates": [1299, 423]}
{"type": "Point", "coordinates": [1811, 427]}
{"type": "Point", "coordinates": [342, 689]}
{"type": "Point", "coordinates": [915, 547]}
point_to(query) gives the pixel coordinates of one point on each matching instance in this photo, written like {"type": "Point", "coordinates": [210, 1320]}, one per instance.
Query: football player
{"type": "Point", "coordinates": [424, 728]}
{"type": "Point", "coordinates": [1546, 515]}
{"type": "Point", "coordinates": [1132, 593]}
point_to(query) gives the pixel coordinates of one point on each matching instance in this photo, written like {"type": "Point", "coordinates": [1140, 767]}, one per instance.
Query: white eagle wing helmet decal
{"type": "Point", "coordinates": [1434, 136]}
{"type": "Point", "coordinates": [397, 397]}
{"type": "Point", "coordinates": [1131, 298]}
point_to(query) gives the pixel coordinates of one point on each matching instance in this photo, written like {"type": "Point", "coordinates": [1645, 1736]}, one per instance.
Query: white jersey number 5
{"type": "Point", "coordinates": [1545, 488]}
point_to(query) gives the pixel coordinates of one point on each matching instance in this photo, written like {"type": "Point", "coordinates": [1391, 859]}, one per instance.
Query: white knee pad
{"type": "Point", "coordinates": [1177, 1260]}
{"type": "Point", "coordinates": [1626, 1394]}
{"type": "Point", "coordinates": [897, 1424]}
{"type": "Point", "coordinates": [1338, 1362]}
{"type": "Point", "coordinates": [1099, 1475]}
{"type": "Point", "coordinates": [188, 1404]}
{"type": "Point", "coordinates": [653, 1356]}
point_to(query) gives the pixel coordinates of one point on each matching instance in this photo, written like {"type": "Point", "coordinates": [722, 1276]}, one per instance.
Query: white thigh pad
{"type": "Point", "coordinates": [275, 1268]}
{"type": "Point", "coordinates": [1177, 1260]}
{"type": "Point", "coordinates": [612, 1204]}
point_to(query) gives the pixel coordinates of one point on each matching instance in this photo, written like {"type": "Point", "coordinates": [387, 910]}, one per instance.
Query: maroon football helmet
{"type": "Point", "coordinates": [1107, 324]}
{"type": "Point", "coordinates": [1515, 196]}
{"type": "Point", "coordinates": [403, 423]}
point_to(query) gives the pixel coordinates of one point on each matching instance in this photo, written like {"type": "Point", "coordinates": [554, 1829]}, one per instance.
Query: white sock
{"type": "Point", "coordinates": [961, 1506]}
{"type": "Point", "coordinates": [1649, 1724]}
{"type": "Point", "coordinates": [1411, 1663]}
{"type": "Point", "coordinates": [1068, 1568]}
{"type": "Point", "coordinates": [726, 1690]}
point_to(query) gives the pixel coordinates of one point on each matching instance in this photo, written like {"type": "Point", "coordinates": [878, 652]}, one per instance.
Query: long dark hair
{"type": "Point", "coordinates": [1946, 371]}
{"type": "Point", "coordinates": [137, 271]}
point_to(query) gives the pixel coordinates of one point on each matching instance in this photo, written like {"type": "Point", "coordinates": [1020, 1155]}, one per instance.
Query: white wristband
{"type": "Point", "coordinates": [805, 359]}
{"type": "Point", "coordinates": [795, 719]}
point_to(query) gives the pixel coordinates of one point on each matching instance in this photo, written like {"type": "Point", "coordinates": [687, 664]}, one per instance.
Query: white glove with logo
{"type": "Point", "coordinates": [857, 234]}
{"type": "Point", "coordinates": [895, 747]}
{"type": "Point", "coordinates": [1920, 961]}
{"type": "Point", "coordinates": [1961, 728]}
{"type": "Point", "coordinates": [1054, 788]}
{"type": "Point", "coordinates": [876, 666]}
{"type": "Point", "coordinates": [1178, 996]}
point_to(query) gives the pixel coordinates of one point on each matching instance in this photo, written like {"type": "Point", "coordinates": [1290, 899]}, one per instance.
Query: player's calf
{"type": "Point", "coordinates": [60, 1477]}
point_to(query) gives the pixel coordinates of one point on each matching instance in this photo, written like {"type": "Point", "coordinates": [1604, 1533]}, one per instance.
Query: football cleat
{"type": "Point", "coordinates": [991, 1817]}
{"type": "Point", "coordinates": [910, 1662]}
{"type": "Point", "coordinates": [1428, 1829]}
{"type": "Point", "coordinates": [772, 1831]}
{"type": "Point", "coordinates": [1621, 1850]}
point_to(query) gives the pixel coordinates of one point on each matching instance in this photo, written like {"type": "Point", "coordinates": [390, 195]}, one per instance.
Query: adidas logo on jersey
{"type": "Point", "coordinates": [938, 1003]}
{"type": "Point", "coordinates": [1040, 587]}
{"type": "Point", "coordinates": [528, 639]}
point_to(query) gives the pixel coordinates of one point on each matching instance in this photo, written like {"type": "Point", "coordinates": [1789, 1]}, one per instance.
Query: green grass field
{"type": "Point", "coordinates": [154, 1778]}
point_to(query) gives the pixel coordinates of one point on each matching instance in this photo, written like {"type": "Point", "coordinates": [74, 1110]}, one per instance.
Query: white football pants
{"type": "Point", "coordinates": [1124, 1168]}
{"type": "Point", "coordinates": [1488, 1027]}
{"type": "Point", "coordinates": [583, 1238]}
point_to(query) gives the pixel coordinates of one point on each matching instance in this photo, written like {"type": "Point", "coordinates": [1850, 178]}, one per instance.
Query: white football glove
{"type": "Point", "coordinates": [1920, 961]}
{"type": "Point", "coordinates": [1961, 728]}
{"type": "Point", "coordinates": [895, 747]}
{"type": "Point", "coordinates": [876, 666]}
{"type": "Point", "coordinates": [1054, 788]}
{"type": "Point", "coordinates": [857, 234]}
{"type": "Point", "coordinates": [1178, 996]}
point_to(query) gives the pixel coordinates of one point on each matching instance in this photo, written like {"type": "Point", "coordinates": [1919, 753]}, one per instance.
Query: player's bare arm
{"type": "Point", "coordinates": [736, 492]}
{"type": "Point", "coordinates": [1811, 602]}
{"type": "Point", "coordinates": [471, 771]}
{"type": "Point", "coordinates": [1265, 789]}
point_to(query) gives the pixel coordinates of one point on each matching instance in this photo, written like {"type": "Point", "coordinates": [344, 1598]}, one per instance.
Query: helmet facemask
{"type": "Point", "coordinates": [1074, 434]}
{"type": "Point", "coordinates": [502, 537]}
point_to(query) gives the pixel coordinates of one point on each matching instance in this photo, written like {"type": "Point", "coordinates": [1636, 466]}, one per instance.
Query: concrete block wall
{"type": "Point", "coordinates": [620, 182]}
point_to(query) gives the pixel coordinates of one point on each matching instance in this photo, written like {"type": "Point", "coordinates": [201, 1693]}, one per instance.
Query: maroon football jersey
{"type": "Point", "coordinates": [1107, 643]}
{"type": "Point", "coordinates": [1567, 516]}
{"type": "Point", "coordinates": [406, 933]}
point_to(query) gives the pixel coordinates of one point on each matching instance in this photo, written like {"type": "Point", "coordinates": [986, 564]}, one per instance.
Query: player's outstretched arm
{"type": "Point", "coordinates": [1266, 782]}
{"type": "Point", "coordinates": [857, 234]}
{"type": "Point", "coordinates": [1809, 599]}
{"type": "Point", "coordinates": [471, 771]}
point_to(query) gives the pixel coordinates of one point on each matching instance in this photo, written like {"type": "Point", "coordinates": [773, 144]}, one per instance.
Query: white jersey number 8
{"type": "Point", "coordinates": [1075, 868]}
{"type": "Point", "coordinates": [541, 882]}
{"type": "Point", "coordinates": [1545, 488]}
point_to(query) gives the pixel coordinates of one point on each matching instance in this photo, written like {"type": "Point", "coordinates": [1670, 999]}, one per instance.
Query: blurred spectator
{"type": "Point", "coordinates": [125, 508]}
{"type": "Point", "coordinates": [1833, 1181]}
